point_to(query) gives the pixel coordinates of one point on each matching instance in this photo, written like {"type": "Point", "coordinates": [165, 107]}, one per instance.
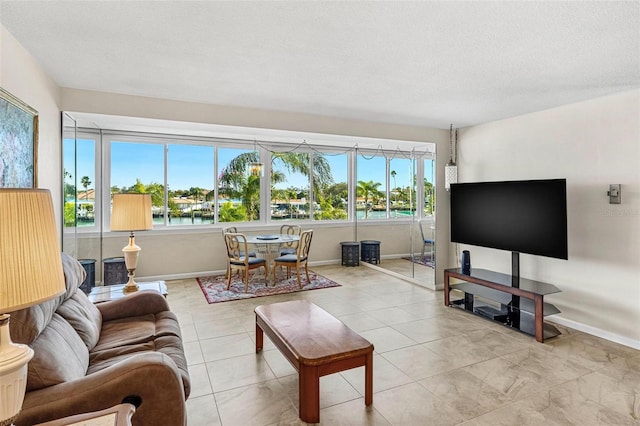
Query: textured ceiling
{"type": "Point", "coordinates": [418, 63]}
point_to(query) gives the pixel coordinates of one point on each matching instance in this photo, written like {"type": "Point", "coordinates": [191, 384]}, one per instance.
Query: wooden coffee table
{"type": "Point", "coordinates": [316, 344]}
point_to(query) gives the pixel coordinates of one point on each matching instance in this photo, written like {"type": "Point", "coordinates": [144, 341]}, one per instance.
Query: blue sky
{"type": "Point", "coordinates": [192, 165]}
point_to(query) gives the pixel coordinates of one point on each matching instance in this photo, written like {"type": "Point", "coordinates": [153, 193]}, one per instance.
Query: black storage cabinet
{"type": "Point", "coordinates": [115, 271]}
{"type": "Point", "coordinates": [370, 251]}
{"type": "Point", "coordinates": [89, 282]}
{"type": "Point", "coordinates": [350, 253]}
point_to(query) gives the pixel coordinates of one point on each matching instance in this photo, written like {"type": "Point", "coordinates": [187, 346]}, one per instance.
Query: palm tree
{"type": "Point", "coordinates": [157, 194]}
{"type": "Point", "coordinates": [366, 189]}
{"type": "Point", "coordinates": [85, 181]}
{"type": "Point", "coordinates": [251, 197]}
{"type": "Point", "coordinates": [429, 196]}
{"type": "Point", "coordinates": [234, 182]}
{"type": "Point", "coordinates": [196, 192]}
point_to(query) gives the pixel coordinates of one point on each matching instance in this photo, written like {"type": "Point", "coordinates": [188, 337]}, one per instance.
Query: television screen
{"type": "Point", "coordinates": [521, 216]}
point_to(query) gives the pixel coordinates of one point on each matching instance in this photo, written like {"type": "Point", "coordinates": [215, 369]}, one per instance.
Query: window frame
{"type": "Point", "coordinates": [104, 139]}
{"type": "Point", "coordinates": [84, 134]}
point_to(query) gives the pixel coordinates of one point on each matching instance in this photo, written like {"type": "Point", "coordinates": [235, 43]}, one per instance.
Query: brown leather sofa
{"type": "Point", "coordinates": [91, 357]}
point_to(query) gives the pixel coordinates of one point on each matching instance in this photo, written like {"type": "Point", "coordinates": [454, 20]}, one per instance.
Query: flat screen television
{"type": "Point", "coordinates": [528, 216]}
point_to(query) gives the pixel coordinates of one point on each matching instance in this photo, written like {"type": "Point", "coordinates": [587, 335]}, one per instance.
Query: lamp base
{"type": "Point", "coordinates": [131, 286]}
{"type": "Point", "coordinates": [131, 253]}
{"type": "Point", "coordinates": [14, 359]}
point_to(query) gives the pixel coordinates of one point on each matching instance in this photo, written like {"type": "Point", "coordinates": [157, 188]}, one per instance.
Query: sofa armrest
{"type": "Point", "coordinates": [133, 305]}
{"type": "Point", "coordinates": [151, 378]}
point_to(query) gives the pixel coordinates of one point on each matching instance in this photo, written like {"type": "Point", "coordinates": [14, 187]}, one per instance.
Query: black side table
{"type": "Point", "coordinates": [115, 271]}
{"type": "Point", "coordinates": [350, 253]}
{"type": "Point", "coordinates": [89, 282]}
{"type": "Point", "coordinates": [370, 251]}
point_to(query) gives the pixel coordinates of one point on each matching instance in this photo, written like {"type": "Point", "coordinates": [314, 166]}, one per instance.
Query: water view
{"type": "Point", "coordinates": [209, 220]}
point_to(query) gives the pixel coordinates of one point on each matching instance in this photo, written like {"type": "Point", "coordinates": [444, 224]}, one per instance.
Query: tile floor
{"type": "Point", "coordinates": [432, 365]}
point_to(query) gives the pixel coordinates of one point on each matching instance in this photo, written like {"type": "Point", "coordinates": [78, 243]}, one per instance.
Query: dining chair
{"type": "Point", "coordinates": [291, 246]}
{"type": "Point", "coordinates": [297, 260]}
{"type": "Point", "coordinates": [426, 242]}
{"type": "Point", "coordinates": [234, 230]}
{"type": "Point", "coordinates": [236, 247]}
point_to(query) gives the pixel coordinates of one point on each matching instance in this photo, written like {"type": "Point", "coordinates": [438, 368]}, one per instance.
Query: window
{"type": "Point", "coordinates": [138, 167]}
{"type": "Point", "coordinates": [191, 184]}
{"type": "Point", "coordinates": [79, 177]}
{"type": "Point", "coordinates": [290, 176]}
{"type": "Point", "coordinates": [429, 188]}
{"type": "Point", "coordinates": [206, 181]}
{"type": "Point", "coordinates": [330, 186]}
{"type": "Point", "coordinates": [402, 195]}
{"type": "Point", "coordinates": [238, 185]}
{"type": "Point", "coordinates": [308, 186]}
{"type": "Point", "coordinates": [371, 187]}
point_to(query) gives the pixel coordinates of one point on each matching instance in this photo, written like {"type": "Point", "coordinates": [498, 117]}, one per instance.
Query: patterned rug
{"type": "Point", "coordinates": [215, 290]}
{"type": "Point", "coordinates": [426, 261]}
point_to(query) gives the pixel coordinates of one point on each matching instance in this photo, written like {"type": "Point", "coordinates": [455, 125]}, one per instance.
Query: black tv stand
{"type": "Point", "coordinates": [519, 301]}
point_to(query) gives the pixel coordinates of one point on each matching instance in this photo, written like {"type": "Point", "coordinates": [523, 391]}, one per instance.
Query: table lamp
{"type": "Point", "coordinates": [131, 212]}
{"type": "Point", "coordinates": [30, 273]}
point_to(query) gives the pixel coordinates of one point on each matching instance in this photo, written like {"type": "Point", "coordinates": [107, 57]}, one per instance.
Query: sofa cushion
{"type": "Point", "coordinates": [60, 356]}
{"type": "Point", "coordinates": [83, 316]}
{"type": "Point", "coordinates": [136, 330]}
{"type": "Point", "coordinates": [74, 275]}
{"type": "Point", "coordinates": [27, 324]}
{"type": "Point", "coordinates": [168, 345]}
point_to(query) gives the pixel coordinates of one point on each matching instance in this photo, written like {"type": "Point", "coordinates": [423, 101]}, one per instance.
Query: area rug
{"type": "Point", "coordinates": [421, 261]}
{"type": "Point", "coordinates": [215, 290]}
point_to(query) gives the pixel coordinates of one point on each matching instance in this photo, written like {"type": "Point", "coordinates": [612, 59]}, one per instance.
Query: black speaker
{"type": "Point", "coordinates": [466, 262]}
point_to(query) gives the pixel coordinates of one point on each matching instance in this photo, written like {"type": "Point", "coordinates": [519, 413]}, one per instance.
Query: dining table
{"type": "Point", "coordinates": [268, 247]}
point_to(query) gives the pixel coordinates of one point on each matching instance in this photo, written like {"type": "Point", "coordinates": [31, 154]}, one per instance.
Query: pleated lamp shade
{"type": "Point", "coordinates": [30, 256]}
{"type": "Point", "coordinates": [131, 212]}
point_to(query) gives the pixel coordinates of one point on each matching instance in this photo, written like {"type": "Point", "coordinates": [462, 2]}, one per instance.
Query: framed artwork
{"type": "Point", "coordinates": [18, 143]}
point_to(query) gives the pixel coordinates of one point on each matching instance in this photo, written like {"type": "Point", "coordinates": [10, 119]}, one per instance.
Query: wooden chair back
{"type": "Point", "coordinates": [230, 230]}
{"type": "Point", "coordinates": [302, 257]}
{"type": "Point", "coordinates": [236, 247]}
{"type": "Point", "coordinates": [288, 229]}
{"type": "Point", "coordinates": [304, 245]}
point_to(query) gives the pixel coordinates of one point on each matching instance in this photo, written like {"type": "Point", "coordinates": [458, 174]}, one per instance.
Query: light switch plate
{"type": "Point", "coordinates": [615, 193]}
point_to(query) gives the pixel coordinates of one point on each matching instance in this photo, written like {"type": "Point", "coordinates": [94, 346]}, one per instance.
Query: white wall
{"type": "Point", "coordinates": [23, 77]}
{"type": "Point", "coordinates": [591, 144]}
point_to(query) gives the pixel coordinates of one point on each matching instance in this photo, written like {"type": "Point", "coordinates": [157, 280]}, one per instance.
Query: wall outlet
{"type": "Point", "coordinates": [615, 193]}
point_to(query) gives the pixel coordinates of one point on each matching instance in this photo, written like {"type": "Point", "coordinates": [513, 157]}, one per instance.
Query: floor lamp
{"type": "Point", "coordinates": [131, 212]}
{"type": "Point", "coordinates": [30, 273]}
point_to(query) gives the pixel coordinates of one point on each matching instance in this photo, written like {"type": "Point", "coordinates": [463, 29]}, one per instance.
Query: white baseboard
{"type": "Point", "coordinates": [181, 276]}
{"type": "Point", "coordinates": [187, 275]}
{"type": "Point", "coordinates": [594, 331]}
{"type": "Point", "coordinates": [402, 277]}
